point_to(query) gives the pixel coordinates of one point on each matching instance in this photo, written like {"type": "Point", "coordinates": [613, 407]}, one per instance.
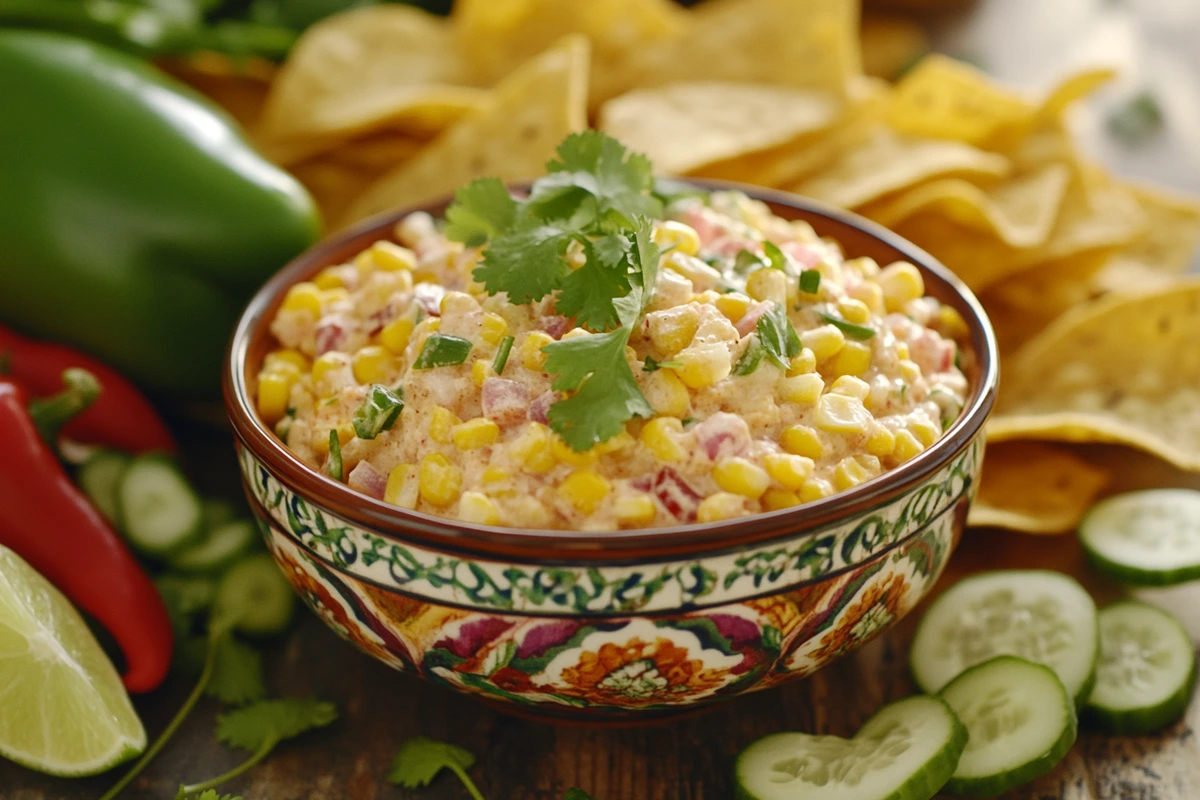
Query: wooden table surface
{"type": "Point", "coordinates": [686, 760]}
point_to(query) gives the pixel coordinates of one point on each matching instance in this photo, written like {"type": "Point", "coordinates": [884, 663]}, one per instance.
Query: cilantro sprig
{"type": "Point", "coordinates": [774, 339]}
{"type": "Point", "coordinates": [596, 200]}
{"type": "Point", "coordinates": [422, 759]}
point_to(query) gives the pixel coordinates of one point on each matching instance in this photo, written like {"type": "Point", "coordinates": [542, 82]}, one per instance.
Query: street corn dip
{"type": "Point", "coordinates": [756, 369]}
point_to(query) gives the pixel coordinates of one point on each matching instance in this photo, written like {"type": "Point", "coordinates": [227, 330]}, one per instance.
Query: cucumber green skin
{"type": "Point", "coordinates": [190, 538]}
{"type": "Point", "coordinates": [262, 620]}
{"type": "Point", "coordinates": [923, 785]}
{"type": "Point", "coordinates": [184, 560]}
{"type": "Point", "coordinates": [107, 505]}
{"type": "Point", "coordinates": [1085, 690]}
{"type": "Point", "coordinates": [1131, 575]}
{"type": "Point", "coordinates": [993, 785]}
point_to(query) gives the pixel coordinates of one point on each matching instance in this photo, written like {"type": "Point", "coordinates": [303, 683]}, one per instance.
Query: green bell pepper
{"type": "Point", "coordinates": [135, 220]}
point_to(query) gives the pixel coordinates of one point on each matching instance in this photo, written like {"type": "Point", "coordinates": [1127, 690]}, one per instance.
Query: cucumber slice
{"type": "Point", "coordinates": [1043, 616]}
{"type": "Point", "coordinates": [217, 512]}
{"type": "Point", "coordinates": [1020, 722]}
{"type": "Point", "coordinates": [1149, 538]}
{"type": "Point", "coordinates": [159, 511]}
{"type": "Point", "coordinates": [907, 751]}
{"type": "Point", "coordinates": [219, 548]}
{"type": "Point", "coordinates": [255, 592]}
{"type": "Point", "coordinates": [1147, 670]}
{"type": "Point", "coordinates": [99, 477]}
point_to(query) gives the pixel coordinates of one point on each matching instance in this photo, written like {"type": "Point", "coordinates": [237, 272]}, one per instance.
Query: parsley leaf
{"type": "Point", "coordinates": [587, 293]}
{"type": "Point", "coordinates": [482, 210]}
{"type": "Point", "coordinates": [606, 394]}
{"type": "Point", "coordinates": [378, 412]}
{"type": "Point", "coordinates": [237, 675]}
{"type": "Point", "coordinates": [595, 180]}
{"type": "Point", "coordinates": [267, 722]}
{"type": "Point", "coordinates": [420, 760]}
{"type": "Point", "coordinates": [528, 264]}
{"type": "Point", "coordinates": [777, 336]}
{"type": "Point", "coordinates": [775, 257]}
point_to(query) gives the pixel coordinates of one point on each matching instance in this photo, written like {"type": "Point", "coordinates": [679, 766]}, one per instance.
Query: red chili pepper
{"type": "Point", "coordinates": [47, 521]}
{"type": "Point", "coordinates": [121, 417]}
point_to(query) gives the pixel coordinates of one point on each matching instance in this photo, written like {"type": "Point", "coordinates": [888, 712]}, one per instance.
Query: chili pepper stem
{"type": "Point", "coordinates": [50, 414]}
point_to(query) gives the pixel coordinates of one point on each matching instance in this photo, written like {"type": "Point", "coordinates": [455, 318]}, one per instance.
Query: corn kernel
{"type": "Point", "coordinates": [902, 352]}
{"type": "Point", "coordinates": [395, 335]}
{"type": "Point", "coordinates": [853, 359]}
{"type": "Point", "coordinates": [815, 489]}
{"type": "Point", "coordinates": [708, 297]}
{"type": "Point", "coordinates": [481, 370]}
{"type": "Point", "coordinates": [871, 464]}
{"type": "Point", "coordinates": [493, 329]}
{"type": "Point", "coordinates": [776, 499]}
{"type": "Point", "coordinates": [870, 295]}
{"type": "Point", "coordinates": [373, 364]}
{"type": "Point", "coordinates": [907, 447]}
{"type": "Point", "coordinates": [329, 278]}
{"type": "Point", "coordinates": [803, 363]}
{"type": "Point", "coordinates": [563, 452]}
{"type": "Point", "coordinates": [531, 510]}
{"type": "Point", "coordinates": [865, 266]}
{"type": "Point", "coordinates": [849, 473]}
{"type": "Point", "coordinates": [851, 387]}
{"type": "Point", "coordinates": [635, 509]}
{"type": "Point", "coordinates": [391, 257]}
{"type": "Point", "coordinates": [768, 284]}
{"type": "Point", "coordinates": [801, 388]}
{"type": "Point", "coordinates": [853, 310]}
{"type": "Point", "coordinates": [789, 471]}
{"type": "Point", "coordinates": [331, 296]}
{"type": "Point", "coordinates": [304, 296]}
{"type": "Point", "coordinates": [531, 350]}
{"type": "Point", "coordinates": [667, 394]}
{"type": "Point", "coordinates": [288, 362]}
{"type": "Point", "coordinates": [402, 486]}
{"type": "Point", "coordinates": [703, 277]}
{"type": "Point", "coordinates": [910, 370]}
{"type": "Point", "coordinates": [802, 440]}
{"type": "Point", "coordinates": [951, 323]}
{"type": "Point", "coordinates": [495, 475]}
{"type": "Point", "coordinates": [682, 238]}
{"type": "Point", "coordinates": [704, 364]}
{"type": "Point", "coordinates": [326, 363]}
{"type": "Point", "coordinates": [926, 431]}
{"type": "Point", "coordinates": [575, 333]}
{"type": "Point", "coordinates": [584, 489]}
{"type": "Point", "coordinates": [438, 480]}
{"type": "Point", "coordinates": [456, 303]}
{"type": "Point", "coordinates": [659, 436]}
{"type": "Point", "coordinates": [478, 507]}
{"type": "Point", "coordinates": [839, 413]}
{"type": "Point", "coordinates": [732, 305]}
{"type": "Point", "coordinates": [475, 433]}
{"type": "Point", "coordinates": [742, 477]}
{"type": "Point", "coordinates": [881, 441]}
{"type": "Point", "coordinates": [672, 330]}
{"type": "Point", "coordinates": [901, 283]}
{"type": "Point", "coordinates": [720, 506]}
{"type": "Point", "coordinates": [613, 444]}
{"type": "Point", "coordinates": [824, 341]}
{"type": "Point", "coordinates": [273, 392]}
{"type": "Point", "coordinates": [532, 448]}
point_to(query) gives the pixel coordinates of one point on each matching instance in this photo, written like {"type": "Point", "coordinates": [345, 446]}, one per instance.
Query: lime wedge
{"type": "Point", "coordinates": [63, 709]}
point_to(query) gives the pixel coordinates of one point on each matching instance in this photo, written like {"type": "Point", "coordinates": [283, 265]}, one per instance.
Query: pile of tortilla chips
{"type": "Point", "coordinates": [387, 106]}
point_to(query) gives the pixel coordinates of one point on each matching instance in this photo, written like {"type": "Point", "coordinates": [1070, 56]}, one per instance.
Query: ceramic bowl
{"type": "Point", "coordinates": [628, 625]}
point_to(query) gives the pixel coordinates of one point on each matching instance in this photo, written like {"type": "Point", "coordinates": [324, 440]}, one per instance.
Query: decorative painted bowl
{"type": "Point", "coordinates": [627, 625]}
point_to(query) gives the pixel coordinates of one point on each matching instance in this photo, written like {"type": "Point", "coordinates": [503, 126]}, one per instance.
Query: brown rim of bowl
{"type": "Point", "coordinates": [860, 237]}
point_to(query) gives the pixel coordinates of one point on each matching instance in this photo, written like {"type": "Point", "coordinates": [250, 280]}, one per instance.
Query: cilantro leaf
{"type": "Point", "coordinates": [575, 793]}
{"type": "Point", "coordinates": [528, 264]}
{"type": "Point", "coordinates": [606, 394]}
{"type": "Point", "coordinates": [378, 412]}
{"type": "Point", "coordinates": [777, 336]}
{"type": "Point", "coordinates": [745, 260]}
{"type": "Point", "coordinates": [237, 675]}
{"type": "Point", "coordinates": [670, 190]}
{"type": "Point", "coordinates": [645, 257]}
{"type": "Point", "coordinates": [750, 358]}
{"type": "Point", "coordinates": [482, 210]}
{"type": "Point", "coordinates": [420, 759]}
{"type": "Point", "coordinates": [649, 364]}
{"type": "Point", "coordinates": [211, 794]}
{"type": "Point", "coordinates": [265, 722]}
{"type": "Point", "coordinates": [587, 293]}
{"type": "Point", "coordinates": [593, 168]}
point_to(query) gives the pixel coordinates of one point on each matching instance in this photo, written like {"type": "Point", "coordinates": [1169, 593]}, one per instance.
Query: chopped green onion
{"type": "Point", "coordinates": [378, 412]}
{"type": "Point", "coordinates": [502, 355]}
{"type": "Point", "coordinates": [751, 357]}
{"type": "Point", "coordinates": [441, 350]}
{"type": "Point", "coordinates": [650, 365]}
{"type": "Point", "coordinates": [334, 467]}
{"type": "Point", "coordinates": [745, 261]}
{"type": "Point", "coordinates": [687, 421]}
{"type": "Point", "coordinates": [775, 257]}
{"type": "Point", "coordinates": [849, 328]}
{"type": "Point", "coordinates": [810, 281]}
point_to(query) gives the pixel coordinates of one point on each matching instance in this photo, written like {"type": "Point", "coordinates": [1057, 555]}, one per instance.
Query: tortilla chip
{"type": "Point", "coordinates": [333, 185]}
{"type": "Point", "coordinates": [686, 125]}
{"type": "Point", "coordinates": [1165, 249]}
{"type": "Point", "coordinates": [239, 87]}
{"type": "Point", "coordinates": [888, 162]}
{"type": "Point", "coordinates": [380, 151]}
{"type": "Point", "coordinates": [497, 36]}
{"type": "Point", "coordinates": [891, 44]}
{"type": "Point", "coordinates": [1020, 211]}
{"type": "Point", "coordinates": [807, 44]}
{"type": "Point", "coordinates": [792, 161]}
{"type": "Point", "coordinates": [511, 137]}
{"type": "Point", "coordinates": [1123, 369]}
{"type": "Point", "coordinates": [1073, 89]}
{"type": "Point", "coordinates": [380, 66]}
{"type": "Point", "coordinates": [947, 99]}
{"type": "Point", "coordinates": [1035, 488]}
